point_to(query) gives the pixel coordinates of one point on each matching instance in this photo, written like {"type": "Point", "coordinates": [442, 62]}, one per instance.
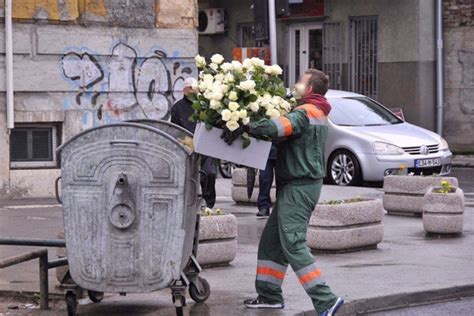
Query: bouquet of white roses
{"type": "Point", "coordinates": [232, 94]}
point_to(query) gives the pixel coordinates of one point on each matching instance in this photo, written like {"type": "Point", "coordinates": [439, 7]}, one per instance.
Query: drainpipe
{"type": "Point", "coordinates": [9, 63]}
{"type": "Point", "coordinates": [439, 67]}
{"type": "Point", "coordinates": [272, 28]}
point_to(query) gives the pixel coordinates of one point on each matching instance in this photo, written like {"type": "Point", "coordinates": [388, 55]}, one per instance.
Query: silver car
{"type": "Point", "coordinates": [366, 142]}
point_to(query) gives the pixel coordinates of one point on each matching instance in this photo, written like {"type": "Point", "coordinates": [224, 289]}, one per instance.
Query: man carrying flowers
{"type": "Point", "coordinates": [300, 169]}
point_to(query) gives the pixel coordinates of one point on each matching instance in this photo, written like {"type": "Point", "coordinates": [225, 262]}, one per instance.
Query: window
{"type": "Point", "coordinates": [363, 55]}
{"type": "Point", "coordinates": [360, 112]}
{"type": "Point", "coordinates": [33, 146]}
{"type": "Point", "coordinates": [246, 35]}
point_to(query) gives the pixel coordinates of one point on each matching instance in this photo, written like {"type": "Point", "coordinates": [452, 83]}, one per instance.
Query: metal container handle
{"type": "Point", "coordinates": [123, 141]}
{"type": "Point", "coordinates": [56, 190]}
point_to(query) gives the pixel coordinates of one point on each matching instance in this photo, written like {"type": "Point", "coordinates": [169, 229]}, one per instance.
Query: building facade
{"type": "Point", "coordinates": [83, 63]}
{"type": "Point", "coordinates": [381, 48]}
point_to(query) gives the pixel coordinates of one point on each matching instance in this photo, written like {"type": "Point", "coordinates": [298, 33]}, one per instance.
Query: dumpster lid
{"type": "Point", "coordinates": [130, 124]}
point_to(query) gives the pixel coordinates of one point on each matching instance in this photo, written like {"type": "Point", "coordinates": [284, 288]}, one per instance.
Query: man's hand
{"type": "Point", "coordinates": [229, 137]}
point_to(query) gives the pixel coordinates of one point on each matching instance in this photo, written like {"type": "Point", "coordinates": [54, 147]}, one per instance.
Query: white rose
{"type": "Point", "coordinates": [226, 115]}
{"type": "Point", "coordinates": [247, 85]}
{"type": "Point", "coordinates": [233, 106]}
{"type": "Point", "coordinates": [215, 105]}
{"type": "Point", "coordinates": [235, 116]}
{"type": "Point", "coordinates": [257, 62]}
{"type": "Point", "coordinates": [208, 94]}
{"type": "Point", "coordinates": [202, 86]}
{"type": "Point", "coordinates": [226, 67]}
{"type": "Point", "coordinates": [254, 107]}
{"type": "Point", "coordinates": [200, 61]}
{"type": "Point", "coordinates": [276, 100]}
{"type": "Point", "coordinates": [217, 95]}
{"type": "Point", "coordinates": [246, 121]}
{"type": "Point", "coordinates": [272, 113]}
{"type": "Point", "coordinates": [233, 96]}
{"type": "Point", "coordinates": [219, 77]}
{"type": "Point", "coordinates": [229, 78]}
{"type": "Point", "coordinates": [243, 114]}
{"type": "Point", "coordinates": [265, 100]}
{"type": "Point", "coordinates": [217, 59]}
{"type": "Point", "coordinates": [277, 70]}
{"type": "Point", "coordinates": [247, 63]}
{"type": "Point", "coordinates": [232, 125]}
{"type": "Point", "coordinates": [236, 65]}
{"type": "Point", "coordinates": [208, 78]}
{"type": "Point", "coordinates": [224, 88]}
{"type": "Point", "coordinates": [274, 70]}
{"type": "Point", "coordinates": [213, 66]}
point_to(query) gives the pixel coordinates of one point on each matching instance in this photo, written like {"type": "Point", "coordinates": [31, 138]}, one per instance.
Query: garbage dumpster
{"type": "Point", "coordinates": [130, 199]}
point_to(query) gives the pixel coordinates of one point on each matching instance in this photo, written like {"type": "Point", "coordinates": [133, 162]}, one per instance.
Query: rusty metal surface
{"type": "Point", "coordinates": [129, 195]}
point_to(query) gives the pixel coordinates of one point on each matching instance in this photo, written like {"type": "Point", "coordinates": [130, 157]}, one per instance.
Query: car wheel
{"type": "Point", "coordinates": [344, 168]}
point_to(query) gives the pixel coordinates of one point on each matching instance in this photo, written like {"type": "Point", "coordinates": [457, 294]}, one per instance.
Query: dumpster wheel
{"type": "Point", "coordinates": [95, 297]}
{"type": "Point", "coordinates": [71, 303]}
{"type": "Point", "coordinates": [200, 292]}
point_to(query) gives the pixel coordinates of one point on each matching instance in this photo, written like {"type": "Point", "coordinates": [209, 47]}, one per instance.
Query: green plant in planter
{"type": "Point", "coordinates": [209, 212]}
{"type": "Point", "coordinates": [351, 200]}
{"type": "Point", "coordinates": [445, 188]}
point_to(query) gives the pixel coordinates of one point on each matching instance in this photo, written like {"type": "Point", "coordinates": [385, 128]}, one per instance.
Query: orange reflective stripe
{"type": "Point", "coordinates": [310, 276]}
{"type": "Point", "coordinates": [272, 272]}
{"type": "Point", "coordinates": [312, 111]}
{"type": "Point", "coordinates": [287, 127]}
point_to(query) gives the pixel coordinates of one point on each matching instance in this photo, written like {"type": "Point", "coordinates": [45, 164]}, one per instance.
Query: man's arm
{"type": "Point", "coordinates": [291, 124]}
{"type": "Point", "coordinates": [175, 119]}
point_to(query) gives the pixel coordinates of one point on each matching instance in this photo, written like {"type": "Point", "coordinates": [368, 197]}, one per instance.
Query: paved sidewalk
{"type": "Point", "coordinates": [405, 262]}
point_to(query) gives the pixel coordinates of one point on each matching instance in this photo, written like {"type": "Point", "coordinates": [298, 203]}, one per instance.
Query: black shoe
{"type": "Point", "coordinates": [263, 213]}
{"type": "Point", "coordinates": [258, 304]}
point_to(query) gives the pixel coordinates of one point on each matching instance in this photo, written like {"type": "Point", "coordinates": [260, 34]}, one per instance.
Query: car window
{"type": "Point", "coordinates": [360, 111]}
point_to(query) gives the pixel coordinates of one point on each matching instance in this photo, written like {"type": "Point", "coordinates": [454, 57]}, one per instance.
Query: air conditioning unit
{"type": "Point", "coordinates": [211, 21]}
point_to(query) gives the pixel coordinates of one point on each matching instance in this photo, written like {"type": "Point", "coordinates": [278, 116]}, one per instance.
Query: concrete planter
{"type": "Point", "coordinates": [239, 188]}
{"type": "Point", "coordinates": [346, 227]}
{"type": "Point", "coordinates": [217, 240]}
{"type": "Point", "coordinates": [443, 213]}
{"type": "Point", "coordinates": [404, 194]}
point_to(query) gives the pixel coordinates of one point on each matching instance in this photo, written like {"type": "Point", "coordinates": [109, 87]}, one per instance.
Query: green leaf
{"type": "Point", "coordinates": [246, 142]}
{"type": "Point", "coordinates": [202, 116]}
{"type": "Point", "coordinates": [208, 126]}
{"type": "Point", "coordinates": [252, 98]}
{"type": "Point", "coordinates": [196, 105]}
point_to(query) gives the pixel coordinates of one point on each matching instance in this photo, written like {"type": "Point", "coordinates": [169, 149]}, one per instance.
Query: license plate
{"type": "Point", "coordinates": [426, 163]}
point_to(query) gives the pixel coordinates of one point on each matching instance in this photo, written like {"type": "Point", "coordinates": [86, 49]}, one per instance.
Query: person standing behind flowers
{"type": "Point", "coordinates": [180, 114]}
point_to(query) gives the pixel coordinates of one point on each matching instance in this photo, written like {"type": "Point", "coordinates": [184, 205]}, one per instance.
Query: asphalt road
{"type": "Point", "coordinates": [466, 179]}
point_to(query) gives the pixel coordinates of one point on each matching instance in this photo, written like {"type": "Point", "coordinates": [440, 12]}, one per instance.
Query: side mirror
{"type": "Point", "coordinates": [398, 112]}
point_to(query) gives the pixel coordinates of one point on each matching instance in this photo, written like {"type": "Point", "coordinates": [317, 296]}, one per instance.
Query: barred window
{"type": "Point", "coordinates": [33, 146]}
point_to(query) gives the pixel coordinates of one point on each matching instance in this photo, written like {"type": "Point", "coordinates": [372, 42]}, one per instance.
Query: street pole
{"type": "Point", "coordinates": [439, 68]}
{"type": "Point", "coordinates": [272, 29]}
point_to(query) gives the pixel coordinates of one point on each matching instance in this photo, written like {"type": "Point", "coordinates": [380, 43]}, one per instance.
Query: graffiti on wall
{"type": "Point", "coordinates": [466, 94]}
{"type": "Point", "coordinates": [124, 85]}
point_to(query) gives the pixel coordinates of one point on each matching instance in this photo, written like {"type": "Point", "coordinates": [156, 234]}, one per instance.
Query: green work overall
{"type": "Point", "coordinates": [300, 169]}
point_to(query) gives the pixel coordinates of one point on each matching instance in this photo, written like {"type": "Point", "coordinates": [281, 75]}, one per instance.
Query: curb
{"type": "Point", "coordinates": [401, 300]}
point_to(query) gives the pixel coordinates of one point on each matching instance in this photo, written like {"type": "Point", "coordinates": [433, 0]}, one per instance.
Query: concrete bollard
{"type": "Point", "coordinates": [217, 240]}
{"type": "Point", "coordinates": [346, 227]}
{"type": "Point", "coordinates": [239, 188]}
{"type": "Point", "coordinates": [404, 194]}
{"type": "Point", "coordinates": [443, 213]}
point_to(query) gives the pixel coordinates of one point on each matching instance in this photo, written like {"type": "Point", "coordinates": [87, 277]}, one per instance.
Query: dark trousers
{"type": "Point", "coordinates": [208, 188]}
{"type": "Point", "coordinates": [265, 179]}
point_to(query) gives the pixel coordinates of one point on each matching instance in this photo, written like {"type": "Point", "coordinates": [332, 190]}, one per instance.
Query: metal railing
{"type": "Point", "coordinates": [42, 255]}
